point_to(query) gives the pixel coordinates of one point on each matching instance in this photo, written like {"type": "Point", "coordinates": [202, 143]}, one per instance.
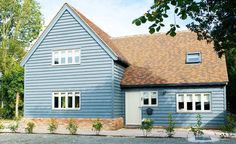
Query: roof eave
{"type": "Point", "coordinates": [175, 85]}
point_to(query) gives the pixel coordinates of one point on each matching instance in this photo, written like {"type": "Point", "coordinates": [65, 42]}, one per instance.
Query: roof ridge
{"type": "Point", "coordinates": [147, 34]}
{"type": "Point", "coordinates": [106, 38]}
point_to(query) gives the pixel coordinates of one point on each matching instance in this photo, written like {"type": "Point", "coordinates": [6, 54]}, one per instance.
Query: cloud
{"type": "Point", "coordinates": [113, 16]}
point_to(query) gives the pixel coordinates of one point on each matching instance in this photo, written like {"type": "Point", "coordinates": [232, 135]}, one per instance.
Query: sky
{"type": "Point", "coordinates": [113, 16]}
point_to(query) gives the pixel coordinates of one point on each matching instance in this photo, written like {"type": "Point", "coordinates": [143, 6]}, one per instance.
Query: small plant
{"type": "Point", "coordinates": [147, 126]}
{"type": "Point", "coordinates": [30, 127]}
{"type": "Point", "coordinates": [1, 126]}
{"type": "Point", "coordinates": [97, 126]}
{"type": "Point", "coordinates": [72, 126]}
{"type": "Point", "coordinates": [171, 124]}
{"type": "Point", "coordinates": [228, 128]}
{"type": "Point", "coordinates": [197, 129]}
{"type": "Point", "coordinates": [14, 127]}
{"type": "Point", "coordinates": [52, 126]}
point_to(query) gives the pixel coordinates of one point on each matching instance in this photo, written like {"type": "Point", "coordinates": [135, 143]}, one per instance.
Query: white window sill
{"type": "Point", "coordinates": [208, 111]}
{"type": "Point", "coordinates": [66, 109]}
{"type": "Point", "coordinates": [65, 64]}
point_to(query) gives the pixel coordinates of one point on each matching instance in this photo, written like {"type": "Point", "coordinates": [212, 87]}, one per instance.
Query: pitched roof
{"type": "Point", "coordinates": [103, 35]}
{"type": "Point", "coordinates": [159, 59]}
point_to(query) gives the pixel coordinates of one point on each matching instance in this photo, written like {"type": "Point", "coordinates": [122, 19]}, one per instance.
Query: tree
{"type": "Point", "coordinates": [13, 89]}
{"type": "Point", "coordinates": [213, 20]}
{"type": "Point", "coordinates": [20, 24]}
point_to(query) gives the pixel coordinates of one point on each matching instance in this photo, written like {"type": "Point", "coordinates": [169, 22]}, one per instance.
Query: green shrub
{"type": "Point", "coordinates": [171, 124]}
{"type": "Point", "coordinates": [52, 126]}
{"type": "Point", "coordinates": [147, 126]}
{"type": "Point", "coordinates": [14, 127]}
{"type": "Point", "coordinates": [72, 126]}
{"type": "Point", "coordinates": [97, 126]}
{"type": "Point", "coordinates": [1, 126]}
{"type": "Point", "coordinates": [197, 128]}
{"type": "Point", "coordinates": [228, 128]}
{"type": "Point", "coordinates": [30, 127]}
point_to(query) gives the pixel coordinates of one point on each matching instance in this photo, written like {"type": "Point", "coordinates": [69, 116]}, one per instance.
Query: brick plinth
{"type": "Point", "coordinates": [83, 123]}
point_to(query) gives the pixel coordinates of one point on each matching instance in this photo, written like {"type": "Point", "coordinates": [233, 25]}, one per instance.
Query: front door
{"type": "Point", "coordinates": [132, 108]}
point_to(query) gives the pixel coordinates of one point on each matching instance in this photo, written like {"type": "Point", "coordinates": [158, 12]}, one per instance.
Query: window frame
{"type": "Point", "coordinates": [149, 99]}
{"type": "Point", "coordinates": [59, 51]}
{"type": "Point", "coordinates": [194, 103]}
{"type": "Point", "coordinates": [193, 62]}
{"type": "Point", "coordinates": [66, 100]}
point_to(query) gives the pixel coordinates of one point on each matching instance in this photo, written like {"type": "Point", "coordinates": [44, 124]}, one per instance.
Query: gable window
{"type": "Point", "coordinates": [193, 102]}
{"type": "Point", "coordinates": [149, 98]}
{"type": "Point", "coordinates": [66, 100]}
{"type": "Point", "coordinates": [63, 57]}
{"type": "Point", "coordinates": [193, 57]}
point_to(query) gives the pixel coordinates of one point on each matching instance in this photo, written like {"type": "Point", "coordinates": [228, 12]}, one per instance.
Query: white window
{"type": "Point", "coordinates": [193, 57]}
{"type": "Point", "coordinates": [63, 57]}
{"type": "Point", "coordinates": [149, 98]}
{"type": "Point", "coordinates": [193, 102]}
{"type": "Point", "coordinates": [66, 100]}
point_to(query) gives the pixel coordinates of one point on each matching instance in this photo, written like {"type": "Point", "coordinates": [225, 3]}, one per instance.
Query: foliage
{"type": "Point", "coordinates": [14, 127]}
{"type": "Point", "coordinates": [147, 126]}
{"type": "Point", "coordinates": [12, 82]}
{"type": "Point", "coordinates": [228, 128]}
{"type": "Point", "coordinates": [52, 126]}
{"type": "Point", "coordinates": [212, 20]}
{"type": "Point", "coordinates": [1, 126]}
{"type": "Point", "coordinates": [20, 24]}
{"type": "Point", "coordinates": [197, 129]}
{"type": "Point", "coordinates": [72, 126]}
{"type": "Point", "coordinates": [30, 127]}
{"type": "Point", "coordinates": [97, 126]}
{"type": "Point", "coordinates": [171, 124]}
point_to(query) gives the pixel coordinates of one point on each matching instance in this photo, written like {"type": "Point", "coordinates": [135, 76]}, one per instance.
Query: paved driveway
{"type": "Point", "coordinates": [75, 139]}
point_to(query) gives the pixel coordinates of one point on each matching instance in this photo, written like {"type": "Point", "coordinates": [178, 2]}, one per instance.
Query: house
{"type": "Point", "coordinates": [76, 70]}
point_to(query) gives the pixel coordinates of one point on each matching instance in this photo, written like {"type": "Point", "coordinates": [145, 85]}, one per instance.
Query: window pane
{"type": "Point", "coordinates": [70, 100]}
{"type": "Point", "coordinates": [77, 102]}
{"type": "Point", "coordinates": [145, 98]}
{"type": "Point", "coordinates": [56, 59]}
{"type": "Point", "coordinates": [63, 100]}
{"type": "Point", "coordinates": [181, 102]}
{"type": "Point", "coordinates": [181, 106]}
{"type": "Point", "coordinates": [56, 101]}
{"type": "Point", "coordinates": [198, 102]}
{"type": "Point", "coordinates": [153, 98]}
{"type": "Point", "coordinates": [206, 105]}
{"type": "Point", "coordinates": [77, 99]}
{"type": "Point", "coordinates": [69, 56]}
{"type": "Point", "coordinates": [189, 102]}
{"type": "Point", "coordinates": [63, 57]}
{"type": "Point", "coordinates": [193, 57]}
{"type": "Point", "coordinates": [77, 55]}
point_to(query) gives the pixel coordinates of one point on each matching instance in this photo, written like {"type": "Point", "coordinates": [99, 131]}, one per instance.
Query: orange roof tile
{"type": "Point", "coordinates": [160, 59]}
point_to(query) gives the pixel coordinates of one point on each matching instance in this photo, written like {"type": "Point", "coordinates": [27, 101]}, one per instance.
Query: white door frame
{"type": "Point", "coordinates": [133, 111]}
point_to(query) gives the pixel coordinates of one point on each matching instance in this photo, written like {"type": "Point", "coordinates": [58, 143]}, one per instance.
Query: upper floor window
{"type": "Point", "coordinates": [62, 57]}
{"type": "Point", "coordinates": [149, 98]}
{"type": "Point", "coordinates": [193, 102]}
{"type": "Point", "coordinates": [194, 57]}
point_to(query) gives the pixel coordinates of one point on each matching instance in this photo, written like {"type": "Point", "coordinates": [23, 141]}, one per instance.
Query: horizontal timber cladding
{"type": "Point", "coordinates": [119, 96]}
{"type": "Point", "coordinates": [92, 77]}
{"type": "Point", "coordinates": [167, 104]}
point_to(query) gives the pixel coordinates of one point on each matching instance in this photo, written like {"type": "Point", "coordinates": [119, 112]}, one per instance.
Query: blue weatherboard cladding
{"type": "Point", "coordinates": [93, 77]}
{"type": "Point", "coordinates": [167, 104]}
{"type": "Point", "coordinates": [119, 96]}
